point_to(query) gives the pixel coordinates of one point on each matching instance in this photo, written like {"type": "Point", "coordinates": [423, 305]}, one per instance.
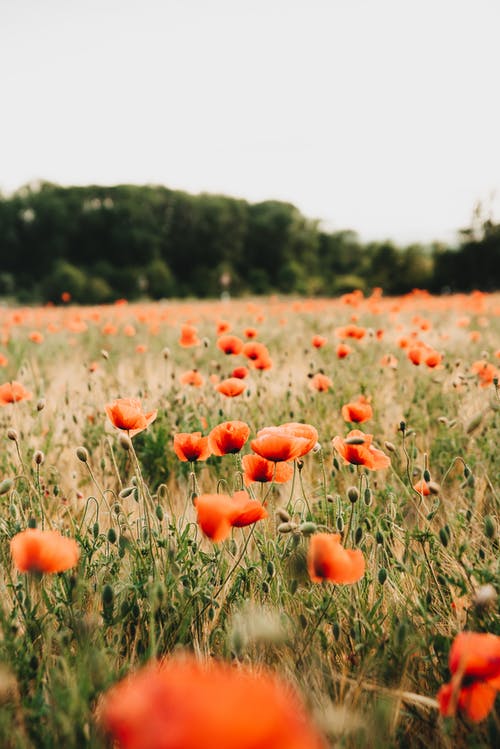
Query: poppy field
{"type": "Point", "coordinates": [250, 524]}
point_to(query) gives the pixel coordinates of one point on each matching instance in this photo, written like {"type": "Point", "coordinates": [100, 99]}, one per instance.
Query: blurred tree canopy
{"type": "Point", "coordinates": [101, 243]}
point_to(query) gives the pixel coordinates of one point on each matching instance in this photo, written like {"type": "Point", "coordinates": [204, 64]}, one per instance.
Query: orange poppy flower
{"type": "Point", "coordinates": [245, 511]}
{"type": "Point", "coordinates": [278, 445]}
{"type": "Point", "coordinates": [485, 371]}
{"type": "Point", "coordinates": [250, 332]}
{"type": "Point", "coordinates": [231, 387]}
{"type": "Point", "coordinates": [3, 360]}
{"type": "Point", "coordinates": [343, 350]}
{"type": "Point", "coordinates": [320, 382]}
{"type": "Point", "coordinates": [66, 297]}
{"type": "Point", "coordinates": [240, 373]}
{"type": "Point", "coordinates": [328, 560]}
{"type": "Point", "coordinates": [181, 703]}
{"type": "Point", "coordinates": [213, 515]}
{"type": "Point", "coordinates": [389, 360]}
{"type": "Point", "coordinates": [474, 662]}
{"type": "Point", "coordinates": [422, 487]}
{"type": "Point", "coordinates": [256, 468]}
{"type": "Point", "coordinates": [357, 449]}
{"type": "Point", "coordinates": [34, 550]}
{"type": "Point", "coordinates": [36, 337]}
{"type": "Point", "coordinates": [416, 354]}
{"type": "Point", "coordinates": [223, 326]}
{"type": "Point", "coordinates": [127, 414]}
{"type": "Point", "coordinates": [295, 429]}
{"type": "Point", "coordinates": [129, 331]}
{"type": "Point", "coordinates": [192, 377]}
{"type": "Point", "coordinates": [262, 363]}
{"type": "Point", "coordinates": [358, 411]}
{"type": "Point", "coordinates": [230, 344]}
{"type": "Point", "coordinates": [228, 437]}
{"type": "Point", "coordinates": [318, 341]}
{"type": "Point", "coordinates": [189, 336]}
{"type": "Point", "coordinates": [350, 331]}
{"type": "Point", "coordinates": [432, 358]}
{"type": "Point", "coordinates": [191, 446]}
{"type": "Point", "coordinates": [13, 392]}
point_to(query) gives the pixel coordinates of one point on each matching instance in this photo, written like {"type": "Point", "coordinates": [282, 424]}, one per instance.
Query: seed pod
{"type": "Point", "coordinates": [12, 435]}
{"type": "Point", "coordinates": [39, 457]}
{"type": "Point", "coordinates": [82, 454]}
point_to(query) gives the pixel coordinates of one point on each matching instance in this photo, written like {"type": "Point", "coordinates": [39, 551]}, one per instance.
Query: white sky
{"type": "Point", "coordinates": [378, 115]}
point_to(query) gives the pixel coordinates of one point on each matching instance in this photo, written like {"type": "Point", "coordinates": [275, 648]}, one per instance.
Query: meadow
{"type": "Point", "coordinates": [347, 570]}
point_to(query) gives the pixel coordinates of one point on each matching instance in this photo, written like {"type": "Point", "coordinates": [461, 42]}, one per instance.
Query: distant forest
{"type": "Point", "coordinates": [102, 243]}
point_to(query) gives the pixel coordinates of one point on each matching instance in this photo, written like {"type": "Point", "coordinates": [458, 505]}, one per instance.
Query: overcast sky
{"type": "Point", "coordinates": [378, 115]}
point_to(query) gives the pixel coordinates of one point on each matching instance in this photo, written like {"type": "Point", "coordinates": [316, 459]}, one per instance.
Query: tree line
{"type": "Point", "coordinates": [102, 243]}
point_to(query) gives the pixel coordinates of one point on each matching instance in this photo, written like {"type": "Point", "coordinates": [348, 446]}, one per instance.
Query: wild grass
{"type": "Point", "coordinates": [368, 658]}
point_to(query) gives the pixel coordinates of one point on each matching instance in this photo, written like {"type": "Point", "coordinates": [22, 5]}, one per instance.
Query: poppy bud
{"type": "Point", "coordinates": [434, 487]}
{"type": "Point", "coordinates": [95, 530]}
{"type": "Point", "coordinates": [443, 536]}
{"type": "Point", "coordinates": [112, 536]}
{"type": "Point", "coordinates": [317, 447]}
{"type": "Point", "coordinates": [382, 575]}
{"type": "Point", "coordinates": [389, 446]}
{"type": "Point", "coordinates": [353, 494]}
{"type": "Point", "coordinates": [283, 515]}
{"type": "Point", "coordinates": [104, 354]}
{"type": "Point", "coordinates": [287, 527]}
{"type": "Point", "coordinates": [427, 476]}
{"type": "Point", "coordinates": [125, 441]}
{"type": "Point", "coordinates": [474, 422]}
{"type": "Point", "coordinates": [402, 426]}
{"type": "Point", "coordinates": [166, 352]}
{"type": "Point", "coordinates": [358, 535]}
{"type": "Point", "coordinates": [308, 528]}
{"type": "Point", "coordinates": [368, 497]}
{"type": "Point", "coordinates": [126, 492]}
{"type": "Point", "coordinates": [490, 530]}
{"type": "Point", "coordinates": [40, 405]}
{"type": "Point", "coordinates": [159, 513]}
{"type": "Point", "coordinates": [39, 457]}
{"type": "Point", "coordinates": [340, 523]}
{"type": "Point", "coordinates": [12, 435]}
{"type": "Point", "coordinates": [354, 441]}
{"type": "Point", "coordinates": [82, 454]}
{"type": "Point", "coordinates": [5, 486]}
{"type": "Point", "coordinates": [484, 596]}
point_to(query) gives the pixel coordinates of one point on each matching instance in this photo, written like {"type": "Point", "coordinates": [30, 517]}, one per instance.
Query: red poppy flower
{"type": "Point", "coordinates": [36, 336]}
{"type": "Point", "coordinates": [254, 350]}
{"type": "Point", "coordinates": [261, 470]}
{"type": "Point", "coordinates": [343, 350]}
{"type": "Point", "coordinates": [320, 382]}
{"type": "Point", "coordinates": [318, 341]}
{"type": "Point", "coordinates": [34, 550]}
{"type": "Point", "coordinates": [181, 703]}
{"type": "Point", "coordinates": [191, 446]}
{"type": "Point", "coordinates": [192, 377]}
{"type": "Point", "coordinates": [358, 411]}
{"type": "Point", "coordinates": [213, 514]}
{"type": "Point", "coordinates": [231, 387]}
{"type": "Point", "coordinates": [475, 666]}
{"type": "Point", "coordinates": [228, 437]}
{"type": "Point", "coordinates": [13, 392]}
{"type": "Point", "coordinates": [350, 331]}
{"type": "Point", "coordinates": [357, 449]}
{"type": "Point", "coordinates": [223, 326]}
{"type": "Point", "coordinates": [127, 414]}
{"type": "Point", "coordinates": [485, 371]}
{"type": "Point", "coordinates": [328, 560]}
{"type": "Point", "coordinates": [240, 373]}
{"type": "Point", "coordinates": [432, 358]}
{"type": "Point", "coordinates": [230, 344]}
{"type": "Point", "coordinates": [250, 332]}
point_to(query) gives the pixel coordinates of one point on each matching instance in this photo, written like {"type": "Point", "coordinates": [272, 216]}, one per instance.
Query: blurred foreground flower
{"type": "Point", "coordinates": [475, 666]}
{"type": "Point", "coordinates": [182, 704]}
{"type": "Point", "coordinates": [328, 560]}
{"type": "Point", "coordinates": [34, 550]}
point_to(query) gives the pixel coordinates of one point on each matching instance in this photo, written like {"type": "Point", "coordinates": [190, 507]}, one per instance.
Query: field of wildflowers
{"type": "Point", "coordinates": [252, 524]}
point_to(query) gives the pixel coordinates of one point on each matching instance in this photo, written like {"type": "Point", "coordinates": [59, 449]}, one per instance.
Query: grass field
{"type": "Point", "coordinates": [366, 657]}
